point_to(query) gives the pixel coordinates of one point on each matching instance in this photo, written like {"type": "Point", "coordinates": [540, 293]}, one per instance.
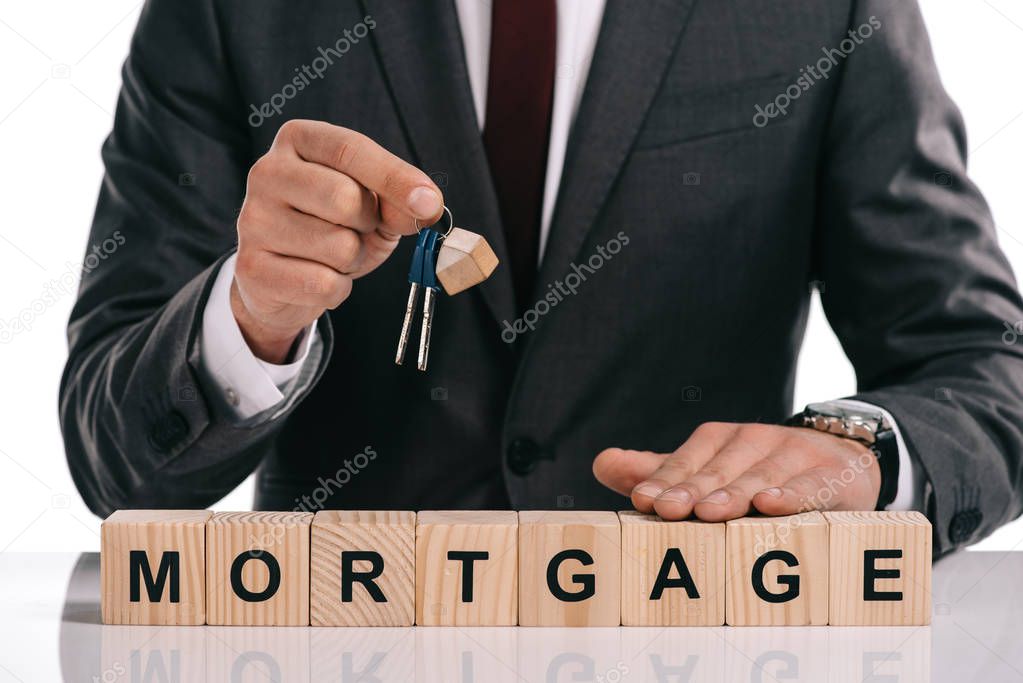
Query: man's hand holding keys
{"type": "Point", "coordinates": [324, 206]}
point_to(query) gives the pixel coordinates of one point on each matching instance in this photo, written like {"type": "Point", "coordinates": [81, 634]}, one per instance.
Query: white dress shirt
{"type": "Point", "coordinates": [252, 386]}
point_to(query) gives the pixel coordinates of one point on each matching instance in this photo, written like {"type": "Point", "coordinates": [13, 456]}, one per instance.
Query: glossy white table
{"type": "Point", "coordinates": [50, 631]}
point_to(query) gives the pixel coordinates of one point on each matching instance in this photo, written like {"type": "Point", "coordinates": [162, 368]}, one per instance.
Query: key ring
{"type": "Point", "coordinates": [451, 222]}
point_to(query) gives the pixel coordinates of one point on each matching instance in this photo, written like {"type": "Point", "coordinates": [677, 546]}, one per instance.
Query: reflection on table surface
{"type": "Point", "coordinates": [975, 636]}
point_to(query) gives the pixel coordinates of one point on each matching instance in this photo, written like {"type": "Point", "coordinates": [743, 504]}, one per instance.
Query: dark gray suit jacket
{"type": "Point", "coordinates": [860, 187]}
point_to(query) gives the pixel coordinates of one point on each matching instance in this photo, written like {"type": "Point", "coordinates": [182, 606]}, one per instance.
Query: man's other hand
{"type": "Point", "coordinates": [725, 471]}
{"type": "Point", "coordinates": [323, 206]}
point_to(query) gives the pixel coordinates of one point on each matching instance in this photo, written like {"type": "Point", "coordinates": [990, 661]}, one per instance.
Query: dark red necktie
{"type": "Point", "coordinates": [518, 123]}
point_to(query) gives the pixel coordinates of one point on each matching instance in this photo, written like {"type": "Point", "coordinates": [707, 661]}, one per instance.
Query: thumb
{"type": "Point", "coordinates": [620, 470]}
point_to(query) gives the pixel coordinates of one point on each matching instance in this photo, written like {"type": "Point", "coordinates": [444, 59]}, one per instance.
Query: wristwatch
{"type": "Point", "coordinates": [867, 425]}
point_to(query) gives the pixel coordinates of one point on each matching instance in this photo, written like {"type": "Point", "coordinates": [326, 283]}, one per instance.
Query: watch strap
{"type": "Point", "coordinates": [886, 448]}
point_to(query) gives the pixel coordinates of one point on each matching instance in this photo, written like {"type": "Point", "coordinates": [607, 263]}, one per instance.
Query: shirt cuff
{"type": "Point", "coordinates": [910, 492]}
{"type": "Point", "coordinates": [248, 384]}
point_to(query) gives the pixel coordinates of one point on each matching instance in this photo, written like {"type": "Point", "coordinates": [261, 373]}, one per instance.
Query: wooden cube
{"type": "Point", "coordinates": [776, 571]}
{"type": "Point", "coordinates": [257, 568]}
{"type": "Point", "coordinates": [880, 568]}
{"type": "Point", "coordinates": [464, 261]}
{"type": "Point", "coordinates": [673, 573]}
{"type": "Point", "coordinates": [363, 568]}
{"type": "Point", "coordinates": [466, 571]}
{"type": "Point", "coordinates": [569, 568]}
{"type": "Point", "coordinates": [152, 567]}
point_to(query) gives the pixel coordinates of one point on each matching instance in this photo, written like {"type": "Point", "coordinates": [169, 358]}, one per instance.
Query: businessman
{"type": "Point", "coordinates": [664, 183]}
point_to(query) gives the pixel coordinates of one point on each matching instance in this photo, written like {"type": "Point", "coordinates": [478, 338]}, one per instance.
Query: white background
{"type": "Point", "coordinates": [60, 73]}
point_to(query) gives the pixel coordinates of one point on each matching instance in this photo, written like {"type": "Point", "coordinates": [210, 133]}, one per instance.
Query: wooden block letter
{"type": "Point", "coordinates": [673, 573]}
{"type": "Point", "coordinates": [363, 568]}
{"type": "Point", "coordinates": [466, 571]}
{"type": "Point", "coordinates": [569, 568]}
{"type": "Point", "coordinates": [880, 568]}
{"type": "Point", "coordinates": [257, 568]}
{"type": "Point", "coordinates": [152, 566]}
{"type": "Point", "coordinates": [776, 571]}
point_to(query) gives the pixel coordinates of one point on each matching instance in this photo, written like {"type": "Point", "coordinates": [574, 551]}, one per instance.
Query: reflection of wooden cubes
{"type": "Point", "coordinates": [880, 568]}
{"type": "Point", "coordinates": [674, 655]}
{"type": "Point", "coordinates": [257, 568]}
{"type": "Point", "coordinates": [861, 654]}
{"type": "Point", "coordinates": [779, 655]}
{"type": "Point", "coordinates": [363, 568]}
{"type": "Point", "coordinates": [776, 571]}
{"type": "Point", "coordinates": [466, 571]}
{"type": "Point", "coordinates": [673, 573]}
{"type": "Point", "coordinates": [362, 655]}
{"type": "Point", "coordinates": [254, 655]}
{"type": "Point", "coordinates": [129, 654]}
{"type": "Point", "coordinates": [593, 655]}
{"type": "Point", "coordinates": [152, 567]}
{"type": "Point", "coordinates": [569, 568]}
{"type": "Point", "coordinates": [464, 261]}
{"type": "Point", "coordinates": [466, 655]}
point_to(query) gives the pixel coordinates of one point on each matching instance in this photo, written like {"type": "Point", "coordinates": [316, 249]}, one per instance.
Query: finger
{"type": "Point", "coordinates": [620, 470]}
{"type": "Point", "coordinates": [403, 189]}
{"type": "Point", "coordinates": [748, 444]}
{"type": "Point", "coordinates": [327, 194]}
{"type": "Point", "coordinates": [734, 500]}
{"type": "Point", "coordinates": [704, 442]}
{"type": "Point", "coordinates": [376, 248]}
{"type": "Point", "coordinates": [678, 501]}
{"type": "Point", "coordinates": [291, 281]}
{"type": "Point", "coordinates": [310, 238]}
{"type": "Point", "coordinates": [805, 491]}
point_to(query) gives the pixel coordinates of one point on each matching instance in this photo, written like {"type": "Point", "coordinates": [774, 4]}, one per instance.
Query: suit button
{"type": "Point", "coordinates": [963, 524]}
{"type": "Point", "coordinates": [168, 431]}
{"type": "Point", "coordinates": [522, 455]}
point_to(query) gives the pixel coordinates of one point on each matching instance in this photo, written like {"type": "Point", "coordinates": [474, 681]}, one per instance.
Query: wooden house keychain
{"type": "Point", "coordinates": [455, 260]}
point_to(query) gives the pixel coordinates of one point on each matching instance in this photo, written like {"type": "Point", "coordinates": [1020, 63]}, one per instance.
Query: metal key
{"type": "Point", "coordinates": [422, 274]}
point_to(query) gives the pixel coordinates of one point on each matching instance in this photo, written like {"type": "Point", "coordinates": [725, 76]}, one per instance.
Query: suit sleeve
{"type": "Point", "coordinates": [916, 287]}
{"type": "Point", "coordinates": [142, 426]}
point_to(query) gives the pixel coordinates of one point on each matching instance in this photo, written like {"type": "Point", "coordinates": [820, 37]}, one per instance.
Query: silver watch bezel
{"type": "Point", "coordinates": [842, 420]}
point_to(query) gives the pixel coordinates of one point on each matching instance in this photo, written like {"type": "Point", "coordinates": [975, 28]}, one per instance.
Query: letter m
{"type": "Point", "coordinates": [170, 565]}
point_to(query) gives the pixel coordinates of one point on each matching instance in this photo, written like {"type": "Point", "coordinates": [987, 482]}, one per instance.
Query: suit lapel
{"type": "Point", "coordinates": [635, 45]}
{"type": "Point", "coordinates": [420, 48]}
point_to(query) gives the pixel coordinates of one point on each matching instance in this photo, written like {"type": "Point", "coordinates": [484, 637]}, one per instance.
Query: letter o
{"type": "Point", "coordinates": [272, 585]}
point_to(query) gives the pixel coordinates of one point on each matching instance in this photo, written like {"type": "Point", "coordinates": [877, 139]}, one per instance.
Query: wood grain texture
{"type": "Point", "coordinates": [464, 261]}
{"type": "Point", "coordinates": [545, 534]}
{"type": "Point", "coordinates": [804, 536]}
{"type": "Point", "coordinates": [269, 536]}
{"type": "Point", "coordinates": [391, 534]}
{"type": "Point", "coordinates": [439, 586]}
{"type": "Point", "coordinates": [646, 541]}
{"type": "Point", "coordinates": [153, 532]}
{"type": "Point", "coordinates": [852, 535]}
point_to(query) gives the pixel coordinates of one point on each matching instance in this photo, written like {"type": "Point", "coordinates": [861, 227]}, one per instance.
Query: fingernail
{"type": "Point", "coordinates": [774, 492]}
{"type": "Point", "coordinates": [718, 497]}
{"type": "Point", "coordinates": [677, 496]}
{"type": "Point", "coordinates": [424, 203]}
{"type": "Point", "coordinates": [648, 489]}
